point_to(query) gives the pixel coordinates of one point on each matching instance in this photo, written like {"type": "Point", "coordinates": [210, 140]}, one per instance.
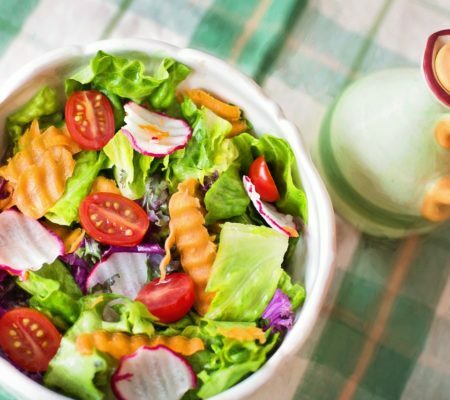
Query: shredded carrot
{"type": "Point", "coordinates": [70, 237]}
{"type": "Point", "coordinates": [188, 232]}
{"type": "Point", "coordinates": [237, 127]}
{"type": "Point", "coordinates": [118, 344]}
{"type": "Point", "coordinates": [243, 334]}
{"type": "Point", "coordinates": [224, 110]}
{"type": "Point", "coordinates": [102, 184]}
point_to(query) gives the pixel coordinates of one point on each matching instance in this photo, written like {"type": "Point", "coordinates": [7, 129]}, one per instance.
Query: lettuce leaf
{"type": "Point", "coordinates": [87, 376]}
{"type": "Point", "coordinates": [227, 197]}
{"type": "Point", "coordinates": [225, 361]}
{"type": "Point", "coordinates": [54, 292]}
{"type": "Point", "coordinates": [208, 150]}
{"type": "Point", "coordinates": [130, 167]}
{"type": "Point", "coordinates": [246, 271]}
{"type": "Point", "coordinates": [125, 78]}
{"type": "Point", "coordinates": [294, 291]}
{"type": "Point", "coordinates": [78, 186]}
{"type": "Point", "coordinates": [283, 167]}
{"type": "Point", "coordinates": [43, 104]}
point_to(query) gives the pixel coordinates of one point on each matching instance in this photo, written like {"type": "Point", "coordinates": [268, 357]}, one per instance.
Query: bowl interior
{"type": "Point", "coordinates": [312, 263]}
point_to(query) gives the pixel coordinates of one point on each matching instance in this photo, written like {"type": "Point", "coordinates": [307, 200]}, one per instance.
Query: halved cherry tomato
{"type": "Point", "coordinates": [113, 219]}
{"type": "Point", "coordinates": [28, 338]}
{"type": "Point", "coordinates": [171, 299]}
{"type": "Point", "coordinates": [261, 177]}
{"type": "Point", "coordinates": [90, 119]}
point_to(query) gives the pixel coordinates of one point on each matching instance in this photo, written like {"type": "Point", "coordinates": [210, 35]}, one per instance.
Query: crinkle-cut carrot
{"type": "Point", "coordinates": [102, 184]}
{"type": "Point", "coordinates": [42, 184]}
{"type": "Point", "coordinates": [224, 110]}
{"type": "Point", "coordinates": [52, 136]}
{"type": "Point", "coordinates": [243, 334]}
{"type": "Point", "coordinates": [33, 146]}
{"type": "Point", "coordinates": [238, 127]}
{"type": "Point", "coordinates": [188, 232]}
{"type": "Point", "coordinates": [118, 344]}
{"type": "Point", "coordinates": [70, 237]}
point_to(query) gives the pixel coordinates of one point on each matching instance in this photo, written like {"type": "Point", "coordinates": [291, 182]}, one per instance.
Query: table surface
{"type": "Point", "coordinates": [384, 330]}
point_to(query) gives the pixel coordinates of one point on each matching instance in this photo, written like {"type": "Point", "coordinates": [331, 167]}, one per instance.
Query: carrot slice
{"type": "Point", "coordinates": [224, 110]}
{"type": "Point", "coordinates": [243, 334]}
{"type": "Point", "coordinates": [118, 344]}
{"type": "Point", "coordinates": [238, 127]}
{"type": "Point", "coordinates": [70, 237]}
{"type": "Point", "coordinates": [102, 184]}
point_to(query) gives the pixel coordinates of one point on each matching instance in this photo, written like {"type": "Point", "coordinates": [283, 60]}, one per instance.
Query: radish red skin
{"type": "Point", "coordinates": [120, 376]}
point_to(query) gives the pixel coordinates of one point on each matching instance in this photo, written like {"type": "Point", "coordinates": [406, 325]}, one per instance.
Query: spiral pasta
{"type": "Point", "coordinates": [119, 344]}
{"type": "Point", "coordinates": [188, 233]}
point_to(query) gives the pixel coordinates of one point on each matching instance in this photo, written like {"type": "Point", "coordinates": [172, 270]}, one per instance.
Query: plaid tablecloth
{"type": "Point", "coordinates": [384, 331]}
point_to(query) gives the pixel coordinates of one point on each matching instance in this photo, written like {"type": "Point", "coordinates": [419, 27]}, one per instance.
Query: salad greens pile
{"type": "Point", "coordinates": [249, 206]}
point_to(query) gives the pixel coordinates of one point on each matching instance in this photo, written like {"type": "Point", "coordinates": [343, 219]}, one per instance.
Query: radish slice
{"type": "Point", "coordinates": [25, 245]}
{"type": "Point", "coordinates": [154, 134]}
{"type": "Point", "coordinates": [125, 273]}
{"type": "Point", "coordinates": [155, 373]}
{"type": "Point", "coordinates": [434, 65]}
{"type": "Point", "coordinates": [283, 223]}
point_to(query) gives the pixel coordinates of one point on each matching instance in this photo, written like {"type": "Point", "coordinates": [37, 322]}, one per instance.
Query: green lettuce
{"type": "Point", "coordinates": [227, 197]}
{"type": "Point", "coordinates": [54, 292]}
{"type": "Point", "coordinates": [119, 77]}
{"type": "Point", "coordinates": [246, 271]}
{"type": "Point", "coordinates": [283, 166]}
{"type": "Point", "coordinates": [208, 151]}
{"type": "Point", "coordinates": [78, 186]}
{"type": "Point", "coordinates": [130, 167]}
{"type": "Point", "coordinates": [225, 361]}
{"type": "Point", "coordinates": [43, 106]}
{"type": "Point", "coordinates": [88, 376]}
{"type": "Point", "coordinates": [294, 291]}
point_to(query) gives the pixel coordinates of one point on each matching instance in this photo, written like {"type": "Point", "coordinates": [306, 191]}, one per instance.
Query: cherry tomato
{"type": "Point", "coordinates": [28, 338]}
{"type": "Point", "coordinates": [261, 177]}
{"type": "Point", "coordinates": [171, 299]}
{"type": "Point", "coordinates": [113, 219]}
{"type": "Point", "coordinates": [90, 119]}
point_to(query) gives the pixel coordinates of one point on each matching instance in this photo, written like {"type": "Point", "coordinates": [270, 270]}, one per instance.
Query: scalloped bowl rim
{"type": "Point", "coordinates": [318, 200]}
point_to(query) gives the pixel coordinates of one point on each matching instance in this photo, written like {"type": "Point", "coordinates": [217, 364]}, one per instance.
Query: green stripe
{"type": "Point", "coordinates": [353, 313]}
{"type": "Point", "coordinates": [12, 17]}
{"type": "Point", "coordinates": [121, 10]}
{"type": "Point", "coordinates": [222, 25]}
{"type": "Point", "coordinates": [411, 318]}
{"type": "Point", "coordinates": [263, 48]}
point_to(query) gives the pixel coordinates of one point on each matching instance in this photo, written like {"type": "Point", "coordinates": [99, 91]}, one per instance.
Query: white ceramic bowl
{"type": "Point", "coordinates": [313, 261]}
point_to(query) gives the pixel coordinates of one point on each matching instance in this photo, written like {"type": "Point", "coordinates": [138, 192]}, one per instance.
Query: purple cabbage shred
{"type": "Point", "coordinates": [79, 268]}
{"type": "Point", "coordinates": [279, 314]}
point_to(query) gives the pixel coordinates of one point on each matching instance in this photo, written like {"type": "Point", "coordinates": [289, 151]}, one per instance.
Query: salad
{"type": "Point", "coordinates": [144, 236]}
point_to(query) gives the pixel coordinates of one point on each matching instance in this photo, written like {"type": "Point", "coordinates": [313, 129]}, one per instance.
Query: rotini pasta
{"type": "Point", "coordinates": [188, 233]}
{"type": "Point", "coordinates": [119, 344]}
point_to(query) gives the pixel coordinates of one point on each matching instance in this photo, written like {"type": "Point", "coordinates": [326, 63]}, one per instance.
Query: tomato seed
{"type": "Point", "coordinates": [108, 204]}
{"type": "Point", "coordinates": [25, 321]}
{"type": "Point", "coordinates": [40, 333]}
{"type": "Point", "coordinates": [12, 332]}
{"type": "Point", "coordinates": [116, 205]}
{"type": "Point", "coordinates": [17, 345]}
{"type": "Point", "coordinates": [128, 232]}
{"type": "Point", "coordinates": [44, 344]}
{"type": "Point", "coordinates": [34, 327]}
{"type": "Point", "coordinates": [98, 224]}
{"type": "Point", "coordinates": [93, 217]}
{"type": "Point", "coordinates": [127, 213]}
